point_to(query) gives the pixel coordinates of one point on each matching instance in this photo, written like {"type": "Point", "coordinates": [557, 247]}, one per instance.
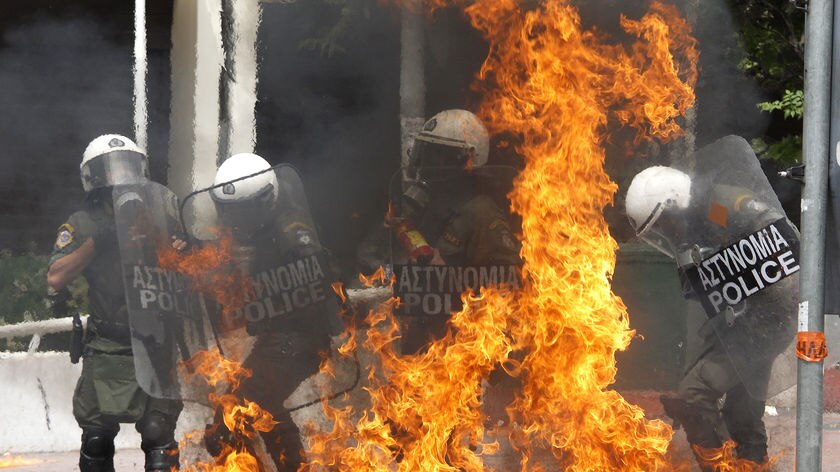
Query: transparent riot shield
{"type": "Point", "coordinates": [450, 232]}
{"type": "Point", "coordinates": [272, 248]}
{"type": "Point", "coordinates": [165, 328]}
{"type": "Point", "coordinates": [740, 254]}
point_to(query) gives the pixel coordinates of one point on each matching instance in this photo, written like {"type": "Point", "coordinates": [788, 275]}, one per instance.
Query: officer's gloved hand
{"type": "Point", "coordinates": [105, 236]}
{"type": "Point", "coordinates": [182, 242]}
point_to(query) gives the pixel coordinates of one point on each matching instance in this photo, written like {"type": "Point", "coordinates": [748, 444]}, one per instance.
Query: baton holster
{"type": "Point", "coordinates": [77, 342]}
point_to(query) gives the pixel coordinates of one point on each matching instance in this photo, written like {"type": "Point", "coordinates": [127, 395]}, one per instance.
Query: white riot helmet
{"type": "Point", "coordinates": [451, 138]}
{"type": "Point", "coordinates": [113, 159]}
{"type": "Point", "coordinates": [247, 204]}
{"type": "Point", "coordinates": [652, 192]}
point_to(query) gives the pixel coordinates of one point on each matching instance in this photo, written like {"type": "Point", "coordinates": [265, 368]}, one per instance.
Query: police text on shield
{"type": "Point", "coordinates": [751, 264]}
{"type": "Point", "coordinates": [153, 288]}
{"type": "Point", "coordinates": [436, 290]}
{"type": "Point", "coordinates": [285, 290]}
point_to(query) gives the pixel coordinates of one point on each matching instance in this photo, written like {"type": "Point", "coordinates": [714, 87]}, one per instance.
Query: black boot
{"type": "Point", "coordinates": [699, 432]}
{"type": "Point", "coordinates": [753, 452]}
{"type": "Point", "coordinates": [163, 459]}
{"type": "Point", "coordinates": [95, 464]}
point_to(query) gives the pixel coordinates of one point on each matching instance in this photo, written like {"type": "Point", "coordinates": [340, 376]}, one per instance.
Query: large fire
{"type": "Point", "coordinates": [212, 270]}
{"type": "Point", "coordinates": [555, 87]}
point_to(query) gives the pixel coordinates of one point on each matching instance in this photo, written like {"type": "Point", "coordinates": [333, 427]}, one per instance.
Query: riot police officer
{"type": "Point", "coordinates": [450, 200]}
{"type": "Point", "coordinates": [107, 392]}
{"type": "Point", "coordinates": [272, 229]}
{"type": "Point", "coordinates": [717, 211]}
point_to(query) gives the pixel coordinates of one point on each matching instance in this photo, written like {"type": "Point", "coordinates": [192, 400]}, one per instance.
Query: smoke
{"type": "Point", "coordinates": [65, 78]}
{"type": "Point", "coordinates": [726, 96]}
{"type": "Point", "coordinates": [336, 118]}
{"type": "Point", "coordinates": [62, 82]}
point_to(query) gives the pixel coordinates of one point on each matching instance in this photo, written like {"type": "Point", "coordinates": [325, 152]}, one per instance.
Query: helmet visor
{"type": "Point", "coordinates": [246, 216]}
{"type": "Point", "coordinates": [427, 154]}
{"type": "Point", "coordinates": [666, 229]}
{"type": "Point", "coordinates": [114, 168]}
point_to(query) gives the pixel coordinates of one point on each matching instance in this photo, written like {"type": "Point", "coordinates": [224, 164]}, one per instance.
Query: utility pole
{"type": "Point", "coordinates": [815, 151]}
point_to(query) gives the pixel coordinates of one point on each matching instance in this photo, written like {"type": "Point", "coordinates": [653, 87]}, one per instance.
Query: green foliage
{"type": "Point", "coordinates": [342, 15]}
{"type": "Point", "coordinates": [787, 150]}
{"type": "Point", "coordinates": [772, 35]}
{"type": "Point", "coordinates": [791, 104]}
{"type": "Point", "coordinates": [23, 293]}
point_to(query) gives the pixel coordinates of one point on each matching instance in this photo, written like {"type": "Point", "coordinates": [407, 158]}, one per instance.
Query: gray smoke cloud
{"type": "Point", "coordinates": [65, 79]}
{"type": "Point", "coordinates": [336, 118]}
{"type": "Point", "coordinates": [62, 82]}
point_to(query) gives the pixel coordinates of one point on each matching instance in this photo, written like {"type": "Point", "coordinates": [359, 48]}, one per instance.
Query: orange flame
{"type": "Point", "coordinates": [11, 460]}
{"type": "Point", "coordinates": [212, 270]}
{"type": "Point", "coordinates": [338, 289]}
{"type": "Point", "coordinates": [724, 459]}
{"type": "Point", "coordinates": [555, 88]}
{"type": "Point", "coordinates": [377, 278]}
{"type": "Point", "coordinates": [242, 417]}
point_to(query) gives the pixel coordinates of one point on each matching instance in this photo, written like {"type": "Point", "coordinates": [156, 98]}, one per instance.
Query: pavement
{"type": "Point", "coordinates": [781, 429]}
{"type": "Point", "coordinates": [125, 460]}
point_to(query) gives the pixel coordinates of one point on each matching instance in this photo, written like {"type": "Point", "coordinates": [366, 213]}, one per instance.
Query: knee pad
{"type": "Point", "coordinates": [155, 430]}
{"type": "Point", "coordinates": [97, 452]}
{"type": "Point", "coordinates": [98, 443]}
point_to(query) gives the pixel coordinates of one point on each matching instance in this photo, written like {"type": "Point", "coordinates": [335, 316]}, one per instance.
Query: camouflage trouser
{"type": "Point", "coordinates": [107, 394]}
{"type": "Point", "coordinates": [706, 382]}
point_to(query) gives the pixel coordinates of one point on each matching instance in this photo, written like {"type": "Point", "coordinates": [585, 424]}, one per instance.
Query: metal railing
{"type": "Point", "coordinates": [37, 329]}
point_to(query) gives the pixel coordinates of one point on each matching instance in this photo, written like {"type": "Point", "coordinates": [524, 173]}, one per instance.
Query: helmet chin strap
{"type": "Point", "coordinates": [651, 219]}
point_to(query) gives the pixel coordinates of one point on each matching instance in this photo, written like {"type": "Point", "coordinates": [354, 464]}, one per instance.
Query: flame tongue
{"type": "Point", "coordinates": [724, 459]}
{"type": "Point", "coordinates": [10, 460]}
{"type": "Point", "coordinates": [555, 87]}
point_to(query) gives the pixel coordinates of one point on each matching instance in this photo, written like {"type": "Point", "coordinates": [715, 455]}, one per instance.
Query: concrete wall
{"type": "Point", "coordinates": [36, 405]}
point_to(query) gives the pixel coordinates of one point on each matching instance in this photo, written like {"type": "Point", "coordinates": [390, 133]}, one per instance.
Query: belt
{"type": "Point", "coordinates": [118, 332]}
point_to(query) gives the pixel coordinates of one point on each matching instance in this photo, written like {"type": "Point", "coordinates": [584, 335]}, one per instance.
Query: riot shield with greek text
{"type": "Point", "coordinates": [165, 326]}
{"type": "Point", "coordinates": [272, 252]}
{"type": "Point", "coordinates": [739, 253]}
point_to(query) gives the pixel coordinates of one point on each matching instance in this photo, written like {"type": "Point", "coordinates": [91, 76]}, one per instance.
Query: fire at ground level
{"type": "Point", "coordinates": [780, 428]}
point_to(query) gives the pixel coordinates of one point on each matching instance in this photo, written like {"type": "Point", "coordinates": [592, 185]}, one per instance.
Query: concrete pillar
{"type": "Point", "coordinates": [194, 116]}
{"type": "Point", "coordinates": [240, 83]}
{"type": "Point", "coordinates": [199, 122]}
{"type": "Point", "coordinates": [141, 118]}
